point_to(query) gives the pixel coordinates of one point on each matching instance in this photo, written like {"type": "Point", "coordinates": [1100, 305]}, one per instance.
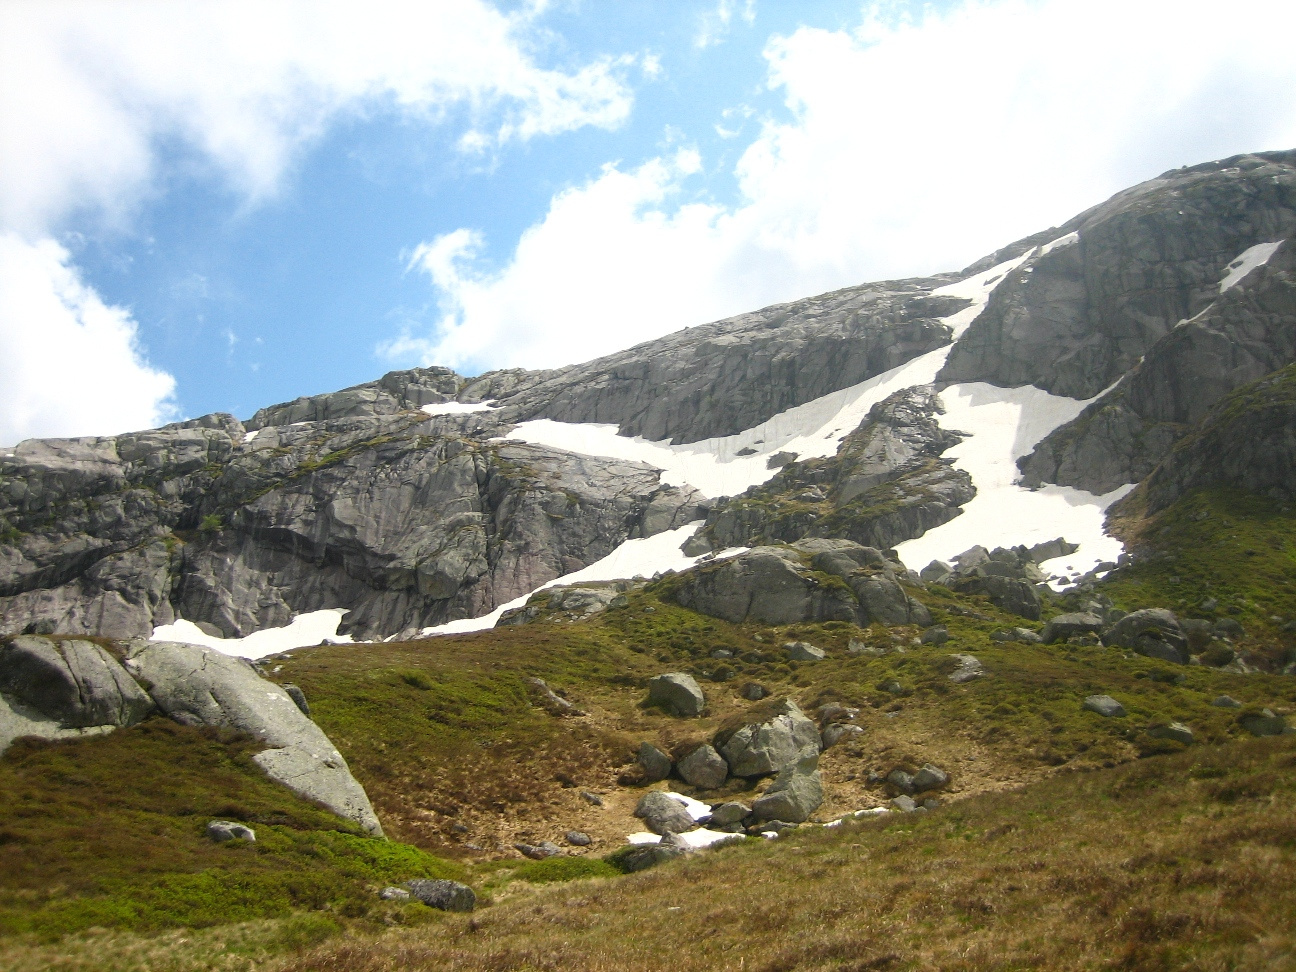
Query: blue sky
{"type": "Point", "coordinates": [218, 206]}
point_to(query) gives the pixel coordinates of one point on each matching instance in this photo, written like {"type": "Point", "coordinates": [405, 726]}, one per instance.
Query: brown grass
{"type": "Point", "coordinates": [1178, 862]}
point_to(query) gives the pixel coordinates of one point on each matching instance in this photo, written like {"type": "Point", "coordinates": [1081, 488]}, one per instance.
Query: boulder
{"type": "Point", "coordinates": [656, 765]}
{"type": "Point", "coordinates": [795, 793]}
{"type": "Point", "coordinates": [661, 814]}
{"type": "Point", "coordinates": [551, 701]}
{"type": "Point", "coordinates": [883, 599]}
{"type": "Point", "coordinates": [969, 667]}
{"type": "Point", "coordinates": [394, 894]}
{"type": "Point", "coordinates": [443, 894]}
{"type": "Point", "coordinates": [17, 720]}
{"type": "Point", "coordinates": [766, 585]}
{"type": "Point", "coordinates": [1065, 626]}
{"type": "Point", "coordinates": [901, 780]}
{"type": "Point", "coordinates": [930, 777]}
{"type": "Point", "coordinates": [298, 697]}
{"type": "Point", "coordinates": [640, 857]}
{"type": "Point", "coordinates": [1263, 723]}
{"type": "Point", "coordinates": [905, 804]}
{"type": "Point", "coordinates": [1104, 705]}
{"type": "Point", "coordinates": [937, 634]}
{"type": "Point", "coordinates": [222, 831]}
{"type": "Point", "coordinates": [593, 799]}
{"type": "Point", "coordinates": [1024, 635]}
{"type": "Point", "coordinates": [74, 683]}
{"type": "Point", "coordinates": [677, 693]}
{"type": "Point", "coordinates": [803, 651]}
{"type": "Point", "coordinates": [202, 687]}
{"type": "Point", "coordinates": [754, 691]}
{"type": "Point", "coordinates": [578, 838]}
{"type": "Point", "coordinates": [1154, 632]}
{"type": "Point", "coordinates": [1226, 702]}
{"type": "Point", "coordinates": [729, 813]}
{"type": "Point", "coordinates": [1229, 628]}
{"type": "Point", "coordinates": [1174, 731]}
{"type": "Point", "coordinates": [776, 736]}
{"type": "Point", "coordinates": [704, 767]}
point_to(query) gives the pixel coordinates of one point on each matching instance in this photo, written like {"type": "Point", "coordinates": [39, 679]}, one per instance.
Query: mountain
{"type": "Point", "coordinates": [943, 622]}
{"type": "Point", "coordinates": [409, 502]}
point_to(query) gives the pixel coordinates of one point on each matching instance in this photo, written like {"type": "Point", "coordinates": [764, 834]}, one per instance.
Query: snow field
{"type": "Point", "coordinates": [1248, 260]}
{"type": "Point", "coordinates": [304, 630]}
{"type": "Point", "coordinates": [456, 408]}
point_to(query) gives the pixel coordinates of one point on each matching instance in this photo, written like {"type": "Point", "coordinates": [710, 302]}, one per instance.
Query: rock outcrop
{"type": "Point", "coordinates": [199, 686]}
{"type": "Point", "coordinates": [772, 736]}
{"type": "Point", "coordinates": [812, 580]}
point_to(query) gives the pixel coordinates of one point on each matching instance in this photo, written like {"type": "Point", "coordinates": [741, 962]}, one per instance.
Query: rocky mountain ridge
{"type": "Point", "coordinates": [403, 502]}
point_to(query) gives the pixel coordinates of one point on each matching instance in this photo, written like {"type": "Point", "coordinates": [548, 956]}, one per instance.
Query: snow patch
{"type": "Point", "coordinates": [1248, 260]}
{"type": "Point", "coordinates": [304, 630]}
{"type": "Point", "coordinates": [1060, 242]}
{"type": "Point", "coordinates": [717, 467]}
{"type": "Point", "coordinates": [1002, 425]}
{"type": "Point", "coordinates": [251, 435]}
{"type": "Point", "coordinates": [641, 557]}
{"type": "Point", "coordinates": [456, 408]}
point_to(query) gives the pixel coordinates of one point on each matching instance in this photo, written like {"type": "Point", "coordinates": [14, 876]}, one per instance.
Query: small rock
{"type": "Point", "coordinates": [640, 857]}
{"type": "Point", "coordinates": [891, 686]}
{"type": "Point", "coordinates": [722, 653]}
{"type": "Point", "coordinates": [593, 799]}
{"type": "Point", "coordinates": [299, 698]}
{"type": "Point", "coordinates": [969, 667]}
{"type": "Point", "coordinates": [225, 830]}
{"type": "Point", "coordinates": [1174, 731]}
{"type": "Point", "coordinates": [835, 733]}
{"type": "Point", "coordinates": [1104, 705]}
{"type": "Point", "coordinates": [678, 693]}
{"type": "Point", "coordinates": [394, 894]}
{"type": "Point", "coordinates": [550, 700]}
{"type": "Point", "coordinates": [804, 651]}
{"type": "Point", "coordinates": [443, 894]}
{"type": "Point", "coordinates": [656, 764]}
{"type": "Point", "coordinates": [704, 767]}
{"type": "Point", "coordinates": [538, 852]}
{"type": "Point", "coordinates": [578, 838]}
{"type": "Point", "coordinates": [937, 634]}
{"type": "Point", "coordinates": [754, 692]}
{"type": "Point", "coordinates": [1226, 702]}
{"type": "Point", "coordinates": [931, 803]}
{"type": "Point", "coordinates": [905, 804]}
{"type": "Point", "coordinates": [729, 813]}
{"type": "Point", "coordinates": [863, 648]}
{"type": "Point", "coordinates": [1228, 628]}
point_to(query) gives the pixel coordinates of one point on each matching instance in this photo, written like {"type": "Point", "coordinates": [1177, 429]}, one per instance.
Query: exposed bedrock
{"type": "Point", "coordinates": [886, 484]}
{"type": "Point", "coordinates": [1075, 319]}
{"type": "Point", "coordinates": [1246, 442]}
{"type": "Point", "coordinates": [406, 520]}
{"type": "Point", "coordinates": [1247, 332]}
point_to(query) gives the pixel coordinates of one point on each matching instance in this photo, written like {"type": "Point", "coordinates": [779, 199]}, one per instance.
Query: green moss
{"type": "Point", "coordinates": [554, 869]}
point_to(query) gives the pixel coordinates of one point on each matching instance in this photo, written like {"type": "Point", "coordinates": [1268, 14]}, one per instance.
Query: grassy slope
{"type": "Point", "coordinates": [449, 742]}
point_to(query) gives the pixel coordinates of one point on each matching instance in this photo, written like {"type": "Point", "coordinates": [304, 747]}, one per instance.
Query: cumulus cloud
{"type": "Point", "coordinates": [68, 361]}
{"type": "Point", "coordinates": [910, 146]}
{"type": "Point", "coordinates": [92, 93]}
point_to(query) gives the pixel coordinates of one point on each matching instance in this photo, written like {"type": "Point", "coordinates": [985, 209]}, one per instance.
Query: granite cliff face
{"type": "Point", "coordinates": [403, 501]}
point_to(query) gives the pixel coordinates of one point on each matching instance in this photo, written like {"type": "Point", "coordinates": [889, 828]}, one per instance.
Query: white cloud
{"type": "Point", "coordinates": [713, 26]}
{"type": "Point", "coordinates": [912, 147]}
{"type": "Point", "coordinates": [68, 361]}
{"type": "Point", "coordinates": [88, 89]}
{"type": "Point", "coordinates": [92, 93]}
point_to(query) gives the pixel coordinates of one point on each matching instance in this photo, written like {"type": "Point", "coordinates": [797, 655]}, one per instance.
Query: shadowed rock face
{"type": "Point", "coordinates": [1075, 319]}
{"type": "Point", "coordinates": [406, 519]}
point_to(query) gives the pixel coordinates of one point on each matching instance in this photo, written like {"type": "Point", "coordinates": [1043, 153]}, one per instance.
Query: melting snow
{"type": "Point", "coordinates": [304, 630]}
{"type": "Point", "coordinates": [1004, 424]}
{"type": "Point", "coordinates": [642, 557]}
{"type": "Point", "coordinates": [456, 408]}
{"type": "Point", "coordinates": [1248, 260]}
{"type": "Point", "coordinates": [1060, 242]}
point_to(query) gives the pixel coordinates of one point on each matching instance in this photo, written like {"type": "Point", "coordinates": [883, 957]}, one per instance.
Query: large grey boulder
{"type": "Point", "coordinates": [18, 720]}
{"type": "Point", "coordinates": [1104, 705]}
{"type": "Point", "coordinates": [202, 687]}
{"type": "Point", "coordinates": [74, 683]}
{"type": "Point", "coordinates": [640, 857]}
{"type": "Point", "coordinates": [704, 768]}
{"type": "Point", "coordinates": [1154, 632]}
{"type": "Point", "coordinates": [775, 737]}
{"type": "Point", "coordinates": [768, 585]}
{"type": "Point", "coordinates": [661, 813]}
{"type": "Point", "coordinates": [677, 693]}
{"type": "Point", "coordinates": [795, 794]}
